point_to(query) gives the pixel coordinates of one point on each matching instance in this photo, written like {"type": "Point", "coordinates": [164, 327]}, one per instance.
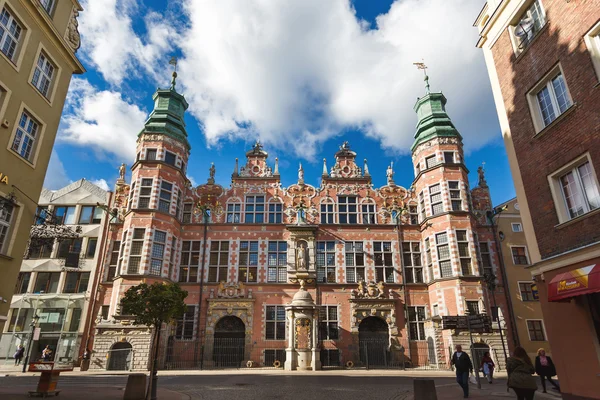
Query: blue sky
{"type": "Point", "coordinates": [302, 77]}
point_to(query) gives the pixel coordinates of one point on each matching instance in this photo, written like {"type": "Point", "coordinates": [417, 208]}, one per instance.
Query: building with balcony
{"type": "Point", "coordinates": [38, 41]}
{"type": "Point", "coordinates": [543, 59]}
{"type": "Point", "coordinates": [58, 277]}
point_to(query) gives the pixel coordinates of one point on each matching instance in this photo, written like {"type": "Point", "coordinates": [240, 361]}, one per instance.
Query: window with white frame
{"type": "Point", "coordinates": [234, 213]}
{"type": "Point", "coordinates": [43, 75]}
{"type": "Point", "coordinates": [326, 261]}
{"type": "Point", "coordinates": [413, 214]}
{"type": "Point", "coordinates": [384, 264]}
{"type": "Point", "coordinates": [422, 205]}
{"type": "Point", "coordinates": [10, 34]}
{"type": "Point", "coordinates": [130, 197]}
{"type": "Point", "coordinates": [26, 136]}
{"type": "Point", "coordinates": [327, 212]}
{"type": "Point", "coordinates": [519, 255]}
{"type": "Point", "coordinates": [486, 258]}
{"type": "Point", "coordinates": [535, 328]}
{"type": "Point", "coordinates": [368, 213]}
{"type": "Point", "coordinates": [151, 154]}
{"type": "Point", "coordinates": [472, 307]}
{"type": "Point", "coordinates": [218, 261]}
{"type": "Point", "coordinates": [413, 268]}
{"type": "Point", "coordinates": [355, 262]}
{"type": "Point", "coordinates": [255, 210]}
{"type": "Point", "coordinates": [449, 157]}
{"type": "Point", "coordinates": [275, 213]}
{"type": "Point", "coordinates": [164, 201]}
{"type": "Point", "coordinates": [187, 213]}
{"type": "Point", "coordinates": [277, 259]}
{"type": "Point", "coordinates": [170, 158]}
{"type": "Point", "coordinates": [248, 265]}
{"type": "Point", "coordinates": [347, 210]}
{"type": "Point", "coordinates": [275, 323]}
{"type": "Point", "coordinates": [455, 200]}
{"type": "Point", "coordinates": [526, 291]}
{"type": "Point", "coordinates": [530, 23]}
{"type": "Point", "coordinates": [431, 161]}
{"type": "Point", "coordinates": [158, 252]}
{"type": "Point", "coordinates": [145, 193]}
{"type": "Point", "coordinates": [6, 214]}
{"type": "Point", "coordinates": [135, 253]}
{"type": "Point", "coordinates": [428, 259]}
{"type": "Point", "coordinates": [190, 260]}
{"type": "Point", "coordinates": [443, 252]}
{"type": "Point", "coordinates": [517, 227]}
{"type": "Point", "coordinates": [186, 325]}
{"type": "Point", "coordinates": [416, 322]}
{"type": "Point", "coordinates": [328, 323]}
{"type": "Point", "coordinates": [592, 40]}
{"type": "Point", "coordinates": [65, 214]}
{"type": "Point", "coordinates": [579, 189]}
{"type": "Point", "coordinates": [552, 99]}
{"type": "Point", "coordinates": [435, 199]}
{"type": "Point", "coordinates": [463, 252]}
{"type": "Point", "coordinates": [48, 5]}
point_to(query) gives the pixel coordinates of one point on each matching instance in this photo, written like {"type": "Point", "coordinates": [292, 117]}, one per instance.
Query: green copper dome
{"type": "Point", "coordinates": [433, 119]}
{"type": "Point", "coordinates": [168, 113]}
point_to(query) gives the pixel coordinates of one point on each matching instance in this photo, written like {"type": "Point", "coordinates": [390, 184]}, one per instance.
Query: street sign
{"type": "Point", "coordinates": [36, 333]}
{"type": "Point", "coordinates": [478, 323]}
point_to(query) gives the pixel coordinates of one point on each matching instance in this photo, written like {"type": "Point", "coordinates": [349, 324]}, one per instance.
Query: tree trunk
{"type": "Point", "coordinates": [151, 392]}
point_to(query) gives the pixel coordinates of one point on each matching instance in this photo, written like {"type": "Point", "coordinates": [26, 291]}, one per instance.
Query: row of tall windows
{"type": "Point", "coordinates": [48, 282]}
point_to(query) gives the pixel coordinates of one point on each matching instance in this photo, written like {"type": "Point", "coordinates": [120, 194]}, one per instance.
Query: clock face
{"type": "Point", "coordinates": [517, 206]}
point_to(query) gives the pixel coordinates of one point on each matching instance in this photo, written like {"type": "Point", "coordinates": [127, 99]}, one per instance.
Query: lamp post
{"type": "Point", "coordinates": [490, 281]}
{"type": "Point", "coordinates": [32, 324]}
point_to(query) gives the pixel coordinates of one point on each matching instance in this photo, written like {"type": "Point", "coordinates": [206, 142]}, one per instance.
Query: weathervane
{"type": "Point", "coordinates": [173, 62]}
{"type": "Point", "coordinates": [421, 65]}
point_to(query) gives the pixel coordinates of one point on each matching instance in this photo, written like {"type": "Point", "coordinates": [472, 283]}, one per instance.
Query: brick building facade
{"type": "Point", "coordinates": [373, 266]}
{"type": "Point", "coordinates": [543, 58]}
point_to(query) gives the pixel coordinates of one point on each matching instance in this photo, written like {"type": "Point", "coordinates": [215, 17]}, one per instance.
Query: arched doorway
{"type": "Point", "coordinates": [119, 357]}
{"type": "Point", "coordinates": [373, 342]}
{"type": "Point", "coordinates": [229, 342]}
{"type": "Point", "coordinates": [479, 349]}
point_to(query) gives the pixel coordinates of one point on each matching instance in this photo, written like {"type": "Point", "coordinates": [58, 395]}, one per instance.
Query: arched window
{"type": "Point", "coordinates": [367, 208]}
{"type": "Point", "coordinates": [327, 211]}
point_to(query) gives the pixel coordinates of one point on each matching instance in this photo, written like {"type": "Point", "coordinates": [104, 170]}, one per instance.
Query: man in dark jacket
{"type": "Point", "coordinates": [463, 365]}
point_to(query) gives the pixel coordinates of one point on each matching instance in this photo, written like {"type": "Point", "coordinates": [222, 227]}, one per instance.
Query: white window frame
{"type": "Point", "coordinates": [5, 93]}
{"type": "Point", "coordinates": [543, 330]}
{"type": "Point", "coordinates": [6, 221]}
{"type": "Point", "coordinates": [277, 261]}
{"type": "Point", "coordinates": [414, 257]}
{"type": "Point", "coordinates": [248, 270]}
{"type": "Point", "coordinates": [467, 259]}
{"type": "Point", "coordinates": [521, 291]}
{"type": "Point", "coordinates": [137, 257]}
{"type": "Point", "coordinates": [354, 264]}
{"type": "Point", "coordinates": [328, 324]}
{"type": "Point", "coordinates": [592, 41]}
{"type": "Point", "coordinates": [26, 118]}
{"type": "Point", "coordinates": [327, 216]}
{"type": "Point", "coordinates": [187, 212]}
{"type": "Point", "coordinates": [145, 194]}
{"type": "Point", "coordinates": [222, 264]}
{"type": "Point", "coordinates": [276, 322]}
{"type": "Point", "coordinates": [435, 162]}
{"type": "Point", "coordinates": [16, 38]}
{"type": "Point", "coordinates": [560, 202]}
{"type": "Point", "coordinates": [418, 321]}
{"type": "Point", "coordinates": [254, 204]}
{"type": "Point", "coordinates": [148, 152]}
{"type": "Point", "coordinates": [190, 249]}
{"type": "Point", "coordinates": [183, 320]}
{"type": "Point", "coordinates": [534, 104]}
{"type": "Point", "coordinates": [368, 212]}
{"type": "Point", "coordinates": [438, 246]}
{"type": "Point", "coordinates": [488, 255]}
{"type": "Point", "coordinates": [385, 271]}
{"type": "Point", "coordinates": [344, 209]}
{"type": "Point", "coordinates": [526, 255]}
{"type": "Point", "coordinates": [453, 153]}
{"type": "Point", "coordinates": [48, 5]}
{"type": "Point", "coordinates": [324, 271]}
{"type": "Point", "coordinates": [157, 254]}
{"type": "Point", "coordinates": [453, 192]}
{"type": "Point", "coordinates": [164, 201]}
{"type": "Point", "coordinates": [527, 11]}
{"type": "Point", "coordinates": [516, 226]}
{"type": "Point", "coordinates": [44, 75]}
{"type": "Point", "coordinates": [441, 198]}
{"type": "Point", "coordinates": [233, 215]}
{"type": "Point", "coordinates": [275, 213]}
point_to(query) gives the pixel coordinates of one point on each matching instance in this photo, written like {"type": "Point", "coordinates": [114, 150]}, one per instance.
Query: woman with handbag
{"type": "Point", "coordinates": [487, 366]}
{"type": "Point", "coordinates": [520, 374]}
{"type": "Point", "coordinates": [544, 367]}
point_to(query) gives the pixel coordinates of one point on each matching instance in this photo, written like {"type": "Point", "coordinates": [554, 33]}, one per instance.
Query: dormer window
{"type": "Point", "coordinates": [347, 210]}
{"type": "Point", "coordinates": [529, 25]}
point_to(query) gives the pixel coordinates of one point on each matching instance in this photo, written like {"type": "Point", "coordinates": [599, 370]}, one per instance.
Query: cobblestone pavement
{"type": "Point", "coordinates": [267, 386]}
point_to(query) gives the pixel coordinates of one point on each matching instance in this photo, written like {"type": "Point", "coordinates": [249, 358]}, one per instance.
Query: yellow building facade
{"type": "Point", "coordinates": [38, 42]}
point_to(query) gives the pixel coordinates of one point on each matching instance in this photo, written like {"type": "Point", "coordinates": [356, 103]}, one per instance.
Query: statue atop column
{"type": "Point", "coordinates": [211, 172]}
{"type": "Point", "coordinates": [482, 182]}
{"type": "Point", "coordinates": [301, 175]}
{"type": "Point", "coordinates": [390, 174]}
{"type": "Point", "coordinates": [122, 172]}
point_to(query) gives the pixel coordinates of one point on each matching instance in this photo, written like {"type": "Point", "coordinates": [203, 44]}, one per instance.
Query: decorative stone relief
{"type": "Point", "coordinates": [72, 35]}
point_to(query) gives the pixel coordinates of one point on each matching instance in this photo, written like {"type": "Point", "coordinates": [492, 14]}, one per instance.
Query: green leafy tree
{"type": "Point", "coordinates": [153, 305]}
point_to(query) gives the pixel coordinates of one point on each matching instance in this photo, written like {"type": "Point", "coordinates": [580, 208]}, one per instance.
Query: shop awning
{"type": "Point", "coordinates": [575, 283]}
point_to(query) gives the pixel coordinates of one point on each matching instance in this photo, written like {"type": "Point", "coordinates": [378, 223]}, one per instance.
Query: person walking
{"type": "Point", "coordinates": [520, 378]}
{"type": "Point", "coordinates": [19, 354]}
{"type": "Point", "coordinates": [487, 365]}
{"type": "Point", "coordinates": [463, 365]}
{"type": "Point", "coordinates": [544, 367]}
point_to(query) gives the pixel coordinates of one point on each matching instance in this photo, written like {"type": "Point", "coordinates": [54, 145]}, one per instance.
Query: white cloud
{"type": "Point", "coordinates": [56, 175]}
{"type": "Point", "coordinates": [101, 183]}
{"type": "Point", "coordinates": [308, 69]}
{"type": "Point", "coordinates": [101, 120]}
{"type": "Point", "coordinates": [110, 43]}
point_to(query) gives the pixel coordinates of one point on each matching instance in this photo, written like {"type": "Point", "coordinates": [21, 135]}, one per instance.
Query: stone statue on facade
{"type": "Point", "coordinates": [211, 173]}
{"type": "Point", "coordinates": [301, 258]}
{"type": "Point", "coordinates": [300, 174]}
{"type": "Point", "coordinates": [122, 172]}
{"type": "Point", "coordinates": [390, 174]}
{"type": "Point", "coordinates": [482, 182]}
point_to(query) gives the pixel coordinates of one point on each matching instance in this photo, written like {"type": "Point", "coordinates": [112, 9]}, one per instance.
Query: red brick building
{"type": "Point", "coordinates": [343, 273]}
{"type": "Point", "coordinates": [543, 58]}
